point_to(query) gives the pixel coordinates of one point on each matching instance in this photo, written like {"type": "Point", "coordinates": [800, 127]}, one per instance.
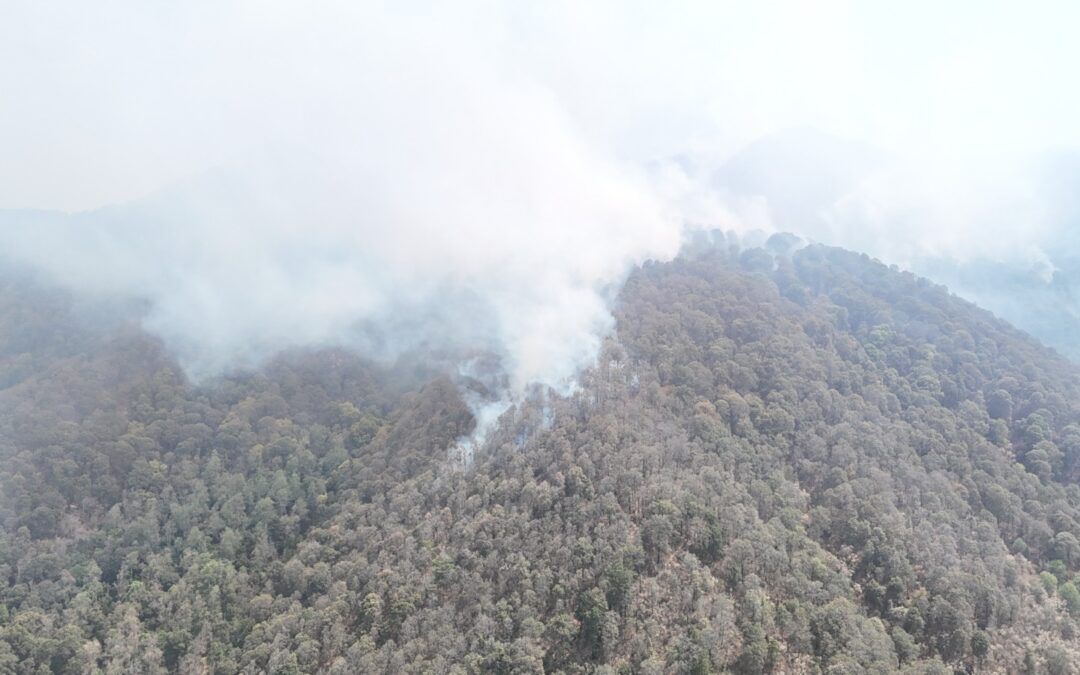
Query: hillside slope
{"type": "Point", "coordinates": [804, 464]}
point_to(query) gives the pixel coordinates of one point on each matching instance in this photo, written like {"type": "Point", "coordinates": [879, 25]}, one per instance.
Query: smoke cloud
{"type": "Point", "coordinates": [480, 177]}
{"type": "Point", "coordinates": [401, 189]}
{"type": "Point", "coordinates": [508, 248]}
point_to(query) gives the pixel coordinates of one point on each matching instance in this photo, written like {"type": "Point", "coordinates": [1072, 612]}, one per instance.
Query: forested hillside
{"type": "Point", "coordinates": [801, 463]}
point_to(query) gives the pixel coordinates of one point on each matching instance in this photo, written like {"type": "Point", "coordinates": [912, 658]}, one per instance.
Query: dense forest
{"type": "Point", "coordinates": [784, 461]}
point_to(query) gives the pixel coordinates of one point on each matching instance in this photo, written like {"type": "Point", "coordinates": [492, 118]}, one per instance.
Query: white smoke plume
{"type": "Point", "coordinates": [396, 185]}
{"type": "Point", "coordinates": [482, 175]}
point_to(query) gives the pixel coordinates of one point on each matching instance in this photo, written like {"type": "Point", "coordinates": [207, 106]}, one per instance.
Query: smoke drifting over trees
{"type": "Point", "coordinates": [483, 177]}
{"type": "Point", "coordinates": [236, 268]}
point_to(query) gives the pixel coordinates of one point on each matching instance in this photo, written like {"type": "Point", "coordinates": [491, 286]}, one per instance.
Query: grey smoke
{"type": "Point", "coordinates": [481, 176]}
{"type": "Point", "coordinates": [245, 261]}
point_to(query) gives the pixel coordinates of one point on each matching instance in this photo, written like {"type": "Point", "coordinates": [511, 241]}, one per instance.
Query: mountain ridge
{"type": "Point", "coordinates": [796, 463]}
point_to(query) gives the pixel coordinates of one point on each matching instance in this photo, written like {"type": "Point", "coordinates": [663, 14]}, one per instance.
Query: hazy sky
{"type": "Point", "coordinates": [106, 101]}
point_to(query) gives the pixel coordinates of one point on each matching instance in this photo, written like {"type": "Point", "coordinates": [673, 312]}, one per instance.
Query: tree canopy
{"type": "Point", "coordinates": [806, 462]}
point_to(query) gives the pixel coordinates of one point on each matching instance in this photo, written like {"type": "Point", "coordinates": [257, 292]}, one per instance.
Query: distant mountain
{"type": "Point", "coordinates": [800, 172]}
{"type": "Point", "coordinates": [1045, 301]}
{"type": "Point", "coordinates": [1040, 295]}
{"type": "Point", "coordinates": [786, 460]}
